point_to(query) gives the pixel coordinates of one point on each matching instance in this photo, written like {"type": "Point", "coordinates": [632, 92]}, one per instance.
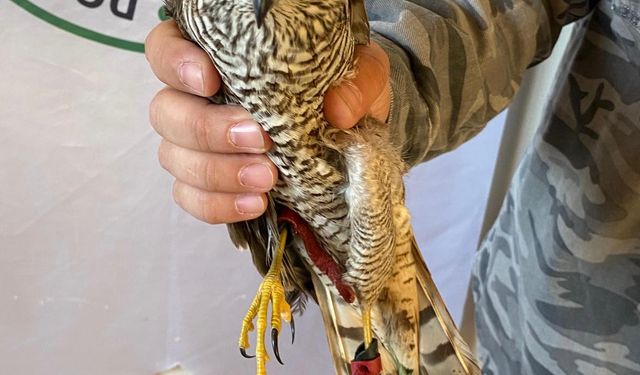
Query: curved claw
{"type": "Point", "coordinates": [274, 345]}
{"type": "Point", "coordinates": [243, 352]}
{"type": "Point", "coordinates": [293, 330]}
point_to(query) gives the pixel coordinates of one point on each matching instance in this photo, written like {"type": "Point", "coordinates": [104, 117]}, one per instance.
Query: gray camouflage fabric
{"type": "Point", "coordinates": [557, 280]}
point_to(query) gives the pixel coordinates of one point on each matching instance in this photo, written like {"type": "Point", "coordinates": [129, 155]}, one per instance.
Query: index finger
{"type": "Point", "coordinates": [180, 63]}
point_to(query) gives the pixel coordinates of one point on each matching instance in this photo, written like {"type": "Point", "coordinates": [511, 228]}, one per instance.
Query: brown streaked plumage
{"type": "Point", "coordinates": [277, 59]}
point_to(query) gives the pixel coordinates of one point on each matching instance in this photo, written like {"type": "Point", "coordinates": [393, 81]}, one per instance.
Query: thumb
{"type": "Point", "coordinates": [367, 93]}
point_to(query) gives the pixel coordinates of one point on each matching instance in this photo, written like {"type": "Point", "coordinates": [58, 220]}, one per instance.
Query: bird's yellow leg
{"type": "Point", "coordinates": [366, 326]}
{"type": "Point", "coordinates": [271, 290]}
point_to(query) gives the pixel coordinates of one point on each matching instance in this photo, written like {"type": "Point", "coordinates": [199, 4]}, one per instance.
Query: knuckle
{"type": "Point", "coordinates": [382, 57]}
{"type": "Point", "coordinates": [176, 192]}
{"type": "Point", "coordinates": [154, 111]}
{"type": "Point", "coordinates": [156, 108]}
{"type": "Point", "coordinates": [167, 58]}
{"type": "Point", "coordinates": [165, 63]}
{"type": "Point", "coordinates": [210, 175]}
{"type": "Point", "coordinates": [159, 56]}
{"type": "Point", "coordinates": [376, 58]}
{"type": "Point", "coordinates": [197, 203]}
{"type": "Point", "coordinates": [202, 131]}
{"type": "Point", "coordinates": [162, 154]}
{"type": "Point", "coordinates": [149, 44]}
{"type": "Point", "coordinates": [163, 157]}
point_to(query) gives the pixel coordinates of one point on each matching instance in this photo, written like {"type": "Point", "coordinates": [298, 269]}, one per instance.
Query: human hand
{"type": "Point", "coordinates": [369, 93]}
{"type": "Point", "coordinates": [217, 152]}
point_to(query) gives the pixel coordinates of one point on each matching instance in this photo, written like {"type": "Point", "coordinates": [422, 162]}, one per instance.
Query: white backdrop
{"type": "Point", "coordinates": [100, 272]}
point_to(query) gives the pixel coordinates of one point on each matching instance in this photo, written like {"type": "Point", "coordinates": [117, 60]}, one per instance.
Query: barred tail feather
{"type": "Point", "coordinates": [343, 325]}
{"type": "Point", "coordinates": [442, 349]}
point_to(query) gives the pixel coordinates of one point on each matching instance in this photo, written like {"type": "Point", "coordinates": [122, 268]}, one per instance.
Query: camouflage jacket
{"type": "Point", "coordinates": [557, 280]}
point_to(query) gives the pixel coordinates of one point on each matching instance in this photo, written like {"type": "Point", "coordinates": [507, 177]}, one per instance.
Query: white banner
{"type": "Point", "coordinates": [100, 272]}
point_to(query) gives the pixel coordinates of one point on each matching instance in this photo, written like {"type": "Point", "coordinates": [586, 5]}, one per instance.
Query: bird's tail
{"type": "Point", "coordinates": [441, 347]}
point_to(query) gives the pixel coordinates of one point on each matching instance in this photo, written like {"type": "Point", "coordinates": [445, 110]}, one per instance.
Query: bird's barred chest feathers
{"type": "Point", "coordinates": [280, 72]}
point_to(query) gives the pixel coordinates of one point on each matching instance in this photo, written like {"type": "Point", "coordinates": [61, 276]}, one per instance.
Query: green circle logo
{"type": "Point", "coordinates": [84, 32]}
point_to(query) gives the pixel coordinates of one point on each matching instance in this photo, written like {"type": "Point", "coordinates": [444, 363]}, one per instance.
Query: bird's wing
{"type": "Point", "coordinates": [359, 22]}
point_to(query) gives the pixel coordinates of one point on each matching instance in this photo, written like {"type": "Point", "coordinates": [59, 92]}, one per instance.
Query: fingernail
{"type": "Point", "coordinates": [247, 135]}
{"type": "Point", "coordinates": [257, 176]}
{"type": "Point", "coordinates": [249, 204]}
{"type": "Point", "coordinates": [191, 76]}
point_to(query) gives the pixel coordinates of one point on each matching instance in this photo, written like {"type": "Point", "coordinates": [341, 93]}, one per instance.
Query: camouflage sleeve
{"type": "Point", "coordinates": [457, 63]}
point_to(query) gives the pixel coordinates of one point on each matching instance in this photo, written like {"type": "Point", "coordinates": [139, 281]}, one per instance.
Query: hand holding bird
{"type": "Point", "coordinates": [340, 191]}
{"type": "Point", "coordinates": [205, 139]}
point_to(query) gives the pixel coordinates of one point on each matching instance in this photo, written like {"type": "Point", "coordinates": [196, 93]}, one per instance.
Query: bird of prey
{"type": "Point", "coordinates": [336, 227]}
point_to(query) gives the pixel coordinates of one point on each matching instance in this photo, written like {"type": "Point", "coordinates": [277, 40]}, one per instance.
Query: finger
{"type": "Point", "coordinates": [218, 208]}
{"type": "Point", "coordinates": [346, 104]}
{"type": "Point", "coordinates": [225, 173]}
{"type": "Point", "coordinates": [197, 124]}
{"type": "Point", "coordinates": [180, 63]}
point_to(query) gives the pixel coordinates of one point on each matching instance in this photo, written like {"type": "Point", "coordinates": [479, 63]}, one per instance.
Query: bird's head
{"type": "Point", "coordinates": [354, 8]}
{"type": "Point", "coordinates": [260, 8]}
{"type": "Point", "coordinates": [266, 45]}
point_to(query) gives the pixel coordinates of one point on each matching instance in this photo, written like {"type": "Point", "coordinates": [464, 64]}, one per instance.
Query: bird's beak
{"type": "Point", "coordinates": [261, 7]}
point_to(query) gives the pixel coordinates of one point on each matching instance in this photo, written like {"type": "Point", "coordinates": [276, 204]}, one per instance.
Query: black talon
{"type": "Point", "coordinates": [293, 330]}
{"type": "Point", "coordinates": [367, 354]}
{"type": "Point", "coordinates": [274, 344]}
{"type": "Point", "coordinates": [244, 354]}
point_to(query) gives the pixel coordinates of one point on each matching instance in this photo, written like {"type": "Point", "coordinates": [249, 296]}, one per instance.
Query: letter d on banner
{"type": "Point", "coordinates": [131, 9]}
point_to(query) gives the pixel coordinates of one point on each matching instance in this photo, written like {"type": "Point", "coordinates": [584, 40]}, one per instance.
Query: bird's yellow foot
{"type": "Point", "coordinates": [271, 290]}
